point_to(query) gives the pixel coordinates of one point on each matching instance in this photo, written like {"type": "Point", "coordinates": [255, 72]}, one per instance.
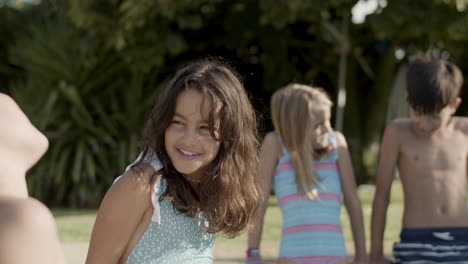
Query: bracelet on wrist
{"type": "Point", "coordinates": [253, 252]}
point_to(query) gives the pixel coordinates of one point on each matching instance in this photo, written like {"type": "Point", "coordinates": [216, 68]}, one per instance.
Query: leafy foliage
{"type": "Point", "coordinates": [144, 33]}
{"type": "Point", "coordinates": [10, 23]}
{"type": "Point", "coordinates": [89, 105]}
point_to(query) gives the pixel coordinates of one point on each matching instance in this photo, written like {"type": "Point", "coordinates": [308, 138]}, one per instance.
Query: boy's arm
{"type": "Point", "coordinates": [351, 199]}
{"type": "Point", "coordinates": [268, 159]}
{"type": "Point", "coordinates": [388, 158]}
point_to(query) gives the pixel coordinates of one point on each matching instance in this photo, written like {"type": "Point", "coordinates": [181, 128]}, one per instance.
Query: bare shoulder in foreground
{"type": "Point", "coordinates": [28, 233]}
{"type": "Point", "coordinates": [21, 143]}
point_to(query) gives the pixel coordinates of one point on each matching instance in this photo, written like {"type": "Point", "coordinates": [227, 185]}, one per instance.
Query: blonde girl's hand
{"type": "Point", "coordinates": [253, 256]}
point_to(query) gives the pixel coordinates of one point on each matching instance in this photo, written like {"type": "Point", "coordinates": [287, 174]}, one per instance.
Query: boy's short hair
{"type": "Point", "coordinates": [431, 85]}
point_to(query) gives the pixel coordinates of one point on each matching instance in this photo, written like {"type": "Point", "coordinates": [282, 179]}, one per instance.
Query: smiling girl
{"type": "Point", "coordinates": [200, 145]}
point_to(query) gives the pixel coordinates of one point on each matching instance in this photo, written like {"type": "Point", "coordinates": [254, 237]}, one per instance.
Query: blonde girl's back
{"type": "Point", "coordinates": [308, 164]}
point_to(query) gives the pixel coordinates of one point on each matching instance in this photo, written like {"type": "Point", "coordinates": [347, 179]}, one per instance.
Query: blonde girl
{"type": "Point", "coordinates": [309, 166]}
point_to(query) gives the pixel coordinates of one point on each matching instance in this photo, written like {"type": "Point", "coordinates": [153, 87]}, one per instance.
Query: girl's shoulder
{"type": "Point", "coordinates": [272, 136]}
{"type": "Point", "coordinates": [273, 143]}
{"type": "Point", "coordinates": [338, 138]}
{"type": "Point", "coordinates": [151, 159]}
{"type": "Point", "coordinates": [142, 172]}
{"type": "Point", "coordinates": [129, 194]}
{"type": "Point", "coordinates": [123, 209]}
{"type": "Point", "coordinates": [136, 181]}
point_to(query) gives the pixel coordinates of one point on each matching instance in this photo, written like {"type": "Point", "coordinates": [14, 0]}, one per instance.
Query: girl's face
{"type": "Point", "coordinates": [187, 139]}
{"type": "Point", "coordinates": [320, 127]}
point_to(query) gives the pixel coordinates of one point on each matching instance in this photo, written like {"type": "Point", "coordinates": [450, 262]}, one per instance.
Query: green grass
{"type": "Point", "coordinates": [76, 225]}
{"type": "Point", "coordinates": [394, 213]}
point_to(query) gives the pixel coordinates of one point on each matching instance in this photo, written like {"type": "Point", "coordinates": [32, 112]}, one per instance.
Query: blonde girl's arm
{"type": "Point", "coordinates": [119, 215]}
{"type": "Point", "coordinates": [351, 199]}
{"type": "Point", "coordinates": [388, 158]}
{"type": "Point", "coordinates": [269, 156]}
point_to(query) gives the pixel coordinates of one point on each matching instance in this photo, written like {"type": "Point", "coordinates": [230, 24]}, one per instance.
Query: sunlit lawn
{"type": "Point", "coordinates": [76, 225]}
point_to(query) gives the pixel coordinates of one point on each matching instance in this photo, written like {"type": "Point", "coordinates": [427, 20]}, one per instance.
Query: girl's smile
{"type": "Point", "coordinates": [188, 155]}
{"type": "Point", "coordinates": [188, 140]}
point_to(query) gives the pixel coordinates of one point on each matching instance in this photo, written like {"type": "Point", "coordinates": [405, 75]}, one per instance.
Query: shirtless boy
{"type": "Point", "coordinates": [27, 228]}
{"type": "Point", "coordinates": [430, 152]}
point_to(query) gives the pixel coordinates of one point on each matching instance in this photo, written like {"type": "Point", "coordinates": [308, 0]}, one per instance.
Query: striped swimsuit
{"type": "Point", "coordinates": [312, 231]}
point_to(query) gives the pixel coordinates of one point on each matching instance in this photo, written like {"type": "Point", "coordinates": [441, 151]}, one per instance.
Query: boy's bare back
{"type": "Point", "coordinates": [433, 171]}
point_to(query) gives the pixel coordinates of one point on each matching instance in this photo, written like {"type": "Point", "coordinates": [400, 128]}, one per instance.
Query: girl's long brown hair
{"type": "Point", "coordinates": [292, 111]}
{"type": "Point", "coordinates": [228, 195]}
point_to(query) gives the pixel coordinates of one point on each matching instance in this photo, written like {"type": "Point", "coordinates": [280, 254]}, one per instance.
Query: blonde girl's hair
{"type": "Point", "coordinates": [292, 110]}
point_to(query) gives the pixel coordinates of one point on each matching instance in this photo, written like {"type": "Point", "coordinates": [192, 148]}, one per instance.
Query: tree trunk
{"type": "Point", "coordinates": [375, 114]}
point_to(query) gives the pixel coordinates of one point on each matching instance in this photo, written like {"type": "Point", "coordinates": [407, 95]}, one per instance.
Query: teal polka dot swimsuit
{"type": "Point", "coordinates": [177, 238]}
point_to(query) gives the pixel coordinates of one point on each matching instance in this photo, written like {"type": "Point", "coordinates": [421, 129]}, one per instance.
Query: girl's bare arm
{"type": "Point", "coordinates": [351, 199]}
{"type": "Point", "coordinates": [269, 156]}
{"type": "Point", "coordinates": [119, 215]}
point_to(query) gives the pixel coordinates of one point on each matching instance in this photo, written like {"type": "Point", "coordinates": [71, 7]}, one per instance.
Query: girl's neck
{"type": "Point", "coordinates": [194, 183]}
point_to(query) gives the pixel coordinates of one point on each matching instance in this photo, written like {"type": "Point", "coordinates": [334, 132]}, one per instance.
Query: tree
{"type": "Point", "coordinates": [89, 104]}
{"type": "Point", "coordinates": [419, 28]}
